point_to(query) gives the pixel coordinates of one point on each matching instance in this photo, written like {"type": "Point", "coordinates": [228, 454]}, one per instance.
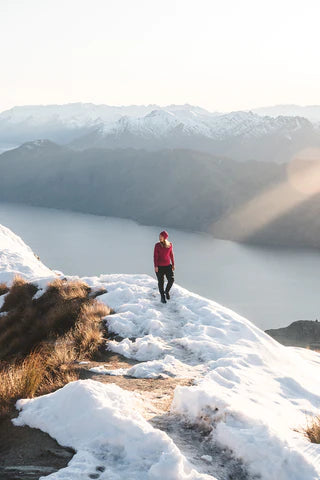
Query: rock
{"type": "Point", "coordinates": [302, 333]}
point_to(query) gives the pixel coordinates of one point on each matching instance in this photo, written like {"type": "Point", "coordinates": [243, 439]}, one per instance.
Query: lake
{"type": "Point", "coordinates": [270, 286]}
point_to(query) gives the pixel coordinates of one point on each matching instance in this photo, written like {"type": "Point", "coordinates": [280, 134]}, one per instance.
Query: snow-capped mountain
{"type": "Point", "coordinates": [71, 114]}
{"type": "Point", "coordinates": [160, 123]}
{"type": "Point", "coordinates": [240, 135]}
{"type": "Point", "coordinates": [79, 115]}
{"type": "Point", "coordinates": [248, 393]}
{"type": "Point", "coordinates": [63, 123]}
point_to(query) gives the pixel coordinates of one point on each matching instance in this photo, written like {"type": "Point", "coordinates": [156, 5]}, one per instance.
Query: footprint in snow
{"type": "Point", "coordinates": [99, 469]}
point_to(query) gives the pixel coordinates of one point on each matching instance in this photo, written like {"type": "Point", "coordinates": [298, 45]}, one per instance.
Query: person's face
{"type": "Point", "coordinates": [161, 238]}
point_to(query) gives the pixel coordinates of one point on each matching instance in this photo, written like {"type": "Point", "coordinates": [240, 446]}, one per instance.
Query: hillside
{"type": "Point", "coordinates": [260, 202]}
{"type": "Point", "coordinates": [237, 390]}
{"type": "Point", "coordinates": [302, 333]}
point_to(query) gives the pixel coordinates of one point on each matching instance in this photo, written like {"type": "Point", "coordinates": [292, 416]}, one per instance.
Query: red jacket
{"type": "Point", "coordinates": [163, 255]}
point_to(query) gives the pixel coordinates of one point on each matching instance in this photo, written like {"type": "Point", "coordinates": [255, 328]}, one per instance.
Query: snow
{"type": "Point", "coordinates": [147, 347]}
{"type": "Point", "coordinates": [4, 147]}
{"type": "Point", "coordinates": [77, 115]}
{"type": "Point", "coordinates": [169, 366]}
{"type": "Point", "coordinates": [152, 121]}
{"type": "Point", "coordinates": [16, 258]}
{"type": "Point", "coordinates": [255, 393]}
{"type": "Point", "coordinates": [103, 424]}
{"type": "Point", "coordinates": [208, 458]}
{"type": "Point", "coordinates": [311, 112]}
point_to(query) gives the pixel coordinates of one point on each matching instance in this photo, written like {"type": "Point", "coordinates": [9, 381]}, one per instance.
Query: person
{"type": "Point", "coordinates": [162, 256]}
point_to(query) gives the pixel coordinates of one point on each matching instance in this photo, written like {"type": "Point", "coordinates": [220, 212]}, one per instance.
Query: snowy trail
{"type": "Point", "coordinates": [251, 394]}
{"type": "Point", "coordinates": [193, 441]}
{"type": "Point", "coordinates": [175, 320]}
{"type": "Point", "coordinates": [254, 392]}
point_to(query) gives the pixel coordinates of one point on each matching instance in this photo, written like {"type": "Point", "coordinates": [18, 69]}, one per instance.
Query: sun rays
{"type": "Point", "coordinates": [302, 181]}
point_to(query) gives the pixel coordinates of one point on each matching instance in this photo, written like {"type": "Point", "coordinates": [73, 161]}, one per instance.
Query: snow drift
{"type": "Point", "coordinates": [101, 423]}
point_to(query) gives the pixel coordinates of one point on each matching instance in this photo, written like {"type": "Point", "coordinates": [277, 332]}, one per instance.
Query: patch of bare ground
{"type": "Point", "coordinates": [28, 453]}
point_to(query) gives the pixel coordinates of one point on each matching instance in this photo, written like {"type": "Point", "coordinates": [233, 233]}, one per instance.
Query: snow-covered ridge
{"type": "Point", "coordinates": [151, 120]}
{"type": "Point", "coordinates": [82, 114]}
{"type": "Point", "coordinates": [159, 123]}
{"type": "Point", "coordinates": [16, 258]}
{"type": "Point", "coordinates": [255, 393]}
{"type": "Point", "coordinates": [311, 112]}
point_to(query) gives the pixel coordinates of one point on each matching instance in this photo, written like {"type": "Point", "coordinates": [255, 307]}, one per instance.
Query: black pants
{"type": "Point", "coordinates": [168, 272]}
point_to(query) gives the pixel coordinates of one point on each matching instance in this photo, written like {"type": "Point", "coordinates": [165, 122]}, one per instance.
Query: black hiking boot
{"type": "Point", "coordinates": [167, 295]}
{"type": "Point", "coordinates": [163, 299]}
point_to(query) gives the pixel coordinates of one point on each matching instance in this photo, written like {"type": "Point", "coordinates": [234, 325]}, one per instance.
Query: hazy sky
{"type": "Point", "coordinates": [220, 54]}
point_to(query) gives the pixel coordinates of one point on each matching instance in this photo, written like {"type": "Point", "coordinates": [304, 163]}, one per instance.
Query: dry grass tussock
{"type": "Point", "coordinates": [3, 288]}
{"type": "Point", "coordinates": [312, 430]}
{"type": "Point", "coordinates": [41, 338]}
{"type": "Point", "coordinates": [30, 321]}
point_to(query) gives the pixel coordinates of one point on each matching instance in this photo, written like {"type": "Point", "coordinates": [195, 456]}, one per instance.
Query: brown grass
{"type": "Point", "coordinates": [3, 288]}
{"type": "Point", "coordinates": [30, 377]}
{"type": "Point", "coordinates": [19, 294]}
{"type": "Point", "coordinates": [29, 322]}
{"type": "Point", "coordinates": [40, 339]}
{"type": "Point", "coordinates": [312, 430]}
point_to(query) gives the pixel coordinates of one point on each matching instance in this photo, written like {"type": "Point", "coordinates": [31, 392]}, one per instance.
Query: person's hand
{"type": "Point", "coordinates": [173, 267]}
{"type": "Point", "coordinates": [156, 269]}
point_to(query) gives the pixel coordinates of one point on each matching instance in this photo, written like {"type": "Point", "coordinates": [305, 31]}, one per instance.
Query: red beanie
{"type": "Point", "coordinates": [164, 234]}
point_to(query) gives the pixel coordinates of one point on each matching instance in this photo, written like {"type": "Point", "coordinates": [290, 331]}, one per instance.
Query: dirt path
{"type": "Point", "coordinates": [157, 393]}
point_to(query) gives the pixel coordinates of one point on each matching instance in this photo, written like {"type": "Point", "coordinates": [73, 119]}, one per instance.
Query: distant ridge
{"type": "Point", "coordinates": [241, 135]}
{"type": "Point", "coordinates": [311, 112]}
{"type": "Point", "coordinates": [302, 333]}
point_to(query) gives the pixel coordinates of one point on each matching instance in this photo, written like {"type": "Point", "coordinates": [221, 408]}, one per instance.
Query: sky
{"type": "Point", "coordinates": [222, 55]}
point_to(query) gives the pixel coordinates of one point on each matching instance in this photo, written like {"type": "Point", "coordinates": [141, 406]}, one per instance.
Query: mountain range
{"type": "Point", "coordinates": [240, 135]}
{"type": "Point", "coordinates": [240, 175]}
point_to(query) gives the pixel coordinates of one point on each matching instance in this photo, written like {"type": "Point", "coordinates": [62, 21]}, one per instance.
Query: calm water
{"type": "Point", "coordinates": [270, 286]}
